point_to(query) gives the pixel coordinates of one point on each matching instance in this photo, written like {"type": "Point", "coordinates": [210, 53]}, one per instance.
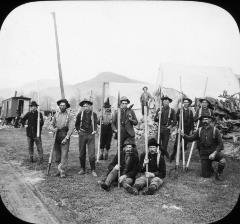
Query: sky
{"type": "Point", "coordinates": [128, 38]}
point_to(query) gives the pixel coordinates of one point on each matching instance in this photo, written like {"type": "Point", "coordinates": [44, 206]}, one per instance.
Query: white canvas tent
{"type": "Point", "coordinates": [194, 78]}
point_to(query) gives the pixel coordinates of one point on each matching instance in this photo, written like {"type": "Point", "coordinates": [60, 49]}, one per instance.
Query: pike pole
{"type": "Point", "coordinates": [118, 134]}
{"type": "Point", "coordinates": [99, 138]}
{"type": "Point", "coordinates": [200, 111]}
{"type": "Point", "coordinates": [38, 118]}
{"type": "Point", "coordinates": [146, 137]}
{"type": "Point", "coordinates": [182, 126]}
{"type": "Point", "coordinates": [160, 110]}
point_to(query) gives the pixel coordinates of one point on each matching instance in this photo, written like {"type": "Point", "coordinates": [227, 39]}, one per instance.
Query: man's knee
{"type": "Point", "coordinates": [156, 181]}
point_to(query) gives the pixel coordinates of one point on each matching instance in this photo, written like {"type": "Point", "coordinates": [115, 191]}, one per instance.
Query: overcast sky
{"type": "Point", "coordinates": [128, 38]}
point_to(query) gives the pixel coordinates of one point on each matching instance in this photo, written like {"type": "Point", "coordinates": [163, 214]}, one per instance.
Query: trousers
{"type": "Point", "coordinates": [38, 142]}
{"type": "Point", "coordinates": [61, 155]}
{"type": "Point", "coordinates": [86, 139]}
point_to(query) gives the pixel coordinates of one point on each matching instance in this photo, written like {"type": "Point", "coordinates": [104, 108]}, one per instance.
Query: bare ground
{"type": "Point", "coordinates": [78, 199]}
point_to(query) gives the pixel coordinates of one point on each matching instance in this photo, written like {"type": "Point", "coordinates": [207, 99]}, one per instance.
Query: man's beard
{"type": "Point", "coordinates": [205, 123]}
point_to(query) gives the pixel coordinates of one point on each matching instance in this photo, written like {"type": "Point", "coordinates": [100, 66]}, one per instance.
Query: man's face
{"type": "Point", "coordinates": [204, 104]}
{"type": "Point", "coordinates": [33, 108]}
{"type": "Point", "coordinates": [124, 104]}
{"type": "Point", "coordinates": [152, 149]}
{"type": "Point", "coordinates": [206, 121]}
{"type": "Point", "coordinates": [128, 148]}
{"type": "Point", "coordinates": [185, 103]}
{"type": "Point", "coordinates": [86, 107]}
{"type": "Point", "coordinates": [165, 102]}
{"type": "Point", "coordinates": [63, 107]}
{"type": "Point", "coordinates": [145, 90]}
{"type": "Point", "coordinates": [107, 110]}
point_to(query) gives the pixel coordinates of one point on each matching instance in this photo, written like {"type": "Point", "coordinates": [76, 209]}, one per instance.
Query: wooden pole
{"type": "Point", "coordinates": [182, 124]}
{"type": "Point", "coordinates": [146, 137]}
{"type": "Point", "coordinates": [118, 133]}
{"type": "Point", "coordinates": [160, 107]}
{"type": "Point", "coordinates": [38, 118]}
{"type": "Point", "coordinates": [200, 112]}
{"type": "Point", "coordinates": [58, 56]}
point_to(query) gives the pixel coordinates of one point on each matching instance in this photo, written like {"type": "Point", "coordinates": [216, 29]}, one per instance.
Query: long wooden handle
{"type": "Point", "coordinates": [118, 140]}
{"type": "Point", "coordinates": [99, 140]}
{"type": "Point", "coordinates": [51, 153]}
{"type": "Point", "coordinates": [146, 137]}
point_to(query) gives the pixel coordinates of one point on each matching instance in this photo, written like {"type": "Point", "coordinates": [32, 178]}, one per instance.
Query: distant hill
{"type": "Point", "coordinates": [50, 91]}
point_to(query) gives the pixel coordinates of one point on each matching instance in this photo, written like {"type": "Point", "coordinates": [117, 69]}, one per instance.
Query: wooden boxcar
{"type": "Point", "coordinates": [13, 107]}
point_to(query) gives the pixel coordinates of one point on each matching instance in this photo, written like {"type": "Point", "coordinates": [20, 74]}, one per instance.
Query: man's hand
{"type": "Point", "coordinates": [121, 178]}
{"type": "Point", "coordinates": [149, 174]}
{"type": "Point", "coordinates": [115, 131]}
{"type": "Point", "coordinates": [181, 133]}
{"type": "Point", "coordinates": [116, 167]}
{"type": "Point", "coordinates": [146, 161]}
{"type": "Point", "coordinates": [64, 141]}
{"type": "Point", "coordinates": [94, 132]}
{"type": "Point", "coordinates": [212, 156]}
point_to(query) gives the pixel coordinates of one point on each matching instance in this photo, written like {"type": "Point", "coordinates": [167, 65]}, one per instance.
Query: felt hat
{"type": "Point", "coordinates": [145, 87]}
{"type": "Point", "coordinates": [63, 101]}
{"type": "Point", "coordinates": [129, 142]}
{"type": "Point", "coordinates": [205, 116]}
{"type": "Point", "coordinates": [124, 98]}
{"type": "Point", "coordinates": [33, 103]}
{"type": "Point", "coordinates": [189, 100]}
{"type": "Point", "coordinates": [85, 101]}
{"type": "Point", "coordinates": [166, 98]}
{"type": "Point", "coordinates": [152, 142]}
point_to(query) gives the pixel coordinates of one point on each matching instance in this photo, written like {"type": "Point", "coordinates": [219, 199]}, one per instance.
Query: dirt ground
{"type": "Point", "coordinates": [32, 196]}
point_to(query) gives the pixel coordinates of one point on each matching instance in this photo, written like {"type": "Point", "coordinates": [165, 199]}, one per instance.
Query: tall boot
{"type": "Point", "coordinates": [219, 172]}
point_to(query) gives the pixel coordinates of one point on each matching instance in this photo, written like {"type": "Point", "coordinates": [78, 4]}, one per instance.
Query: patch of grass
{"type": "Point", "coordinates": [199, 200]}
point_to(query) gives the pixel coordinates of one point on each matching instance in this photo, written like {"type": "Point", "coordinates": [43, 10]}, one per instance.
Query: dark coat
{"type": "Point", "coordinates": [128, 165]}
{"type": "Point", "coordinates": [32, 118]}
{"type": "Point", "coordinates": [125, 123]}
{"type": "Point", "coordinates": [165, 122]}
{"type": "Point", "coordinates": [159, 171]}
{"type": "Point", "coordinates": [207, 142]}
{"type": "Point", "coordinates": [187, 118]}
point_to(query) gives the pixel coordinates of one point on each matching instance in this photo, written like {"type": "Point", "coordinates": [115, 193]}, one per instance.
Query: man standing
{"type": "Point", "coordinates": [128, 120]}
{"type": "Point", "coordinates": [204, 109]}
{"type": "Point", "coordinates": [168, 121]}
{"type": "Point", "coordinates": [106, 131]}
{"type": "Point", "coordinates": [86, 125]}
{"type": "Point", "coordinates": [129, 163]}
{"type": "Point", "coordinates": [188, 124]}
{"type": "Point", "coordinates": [156, 170]}
{"type": "Point", "coordinates": [63, 126]}
{"type": "Point", "coordinates": [210, 145]}
{"type": "Point", "coordinates": [145, 99]}
{"type": "Point", "coordinates": [31, 131]}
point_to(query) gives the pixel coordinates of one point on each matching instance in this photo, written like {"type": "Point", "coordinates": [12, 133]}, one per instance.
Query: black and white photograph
{"type": "Point", "coordinates": [119, 112]}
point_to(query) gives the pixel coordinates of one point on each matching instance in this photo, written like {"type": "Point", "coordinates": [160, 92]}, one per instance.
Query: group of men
{"type": "Point", "coordinates": [136, 172]}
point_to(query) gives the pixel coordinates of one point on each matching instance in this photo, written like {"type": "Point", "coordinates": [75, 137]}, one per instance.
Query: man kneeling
{"type": "Point", "coordinates": [156, 170]}
{"type": "Point", "coordinates": [129, 163]}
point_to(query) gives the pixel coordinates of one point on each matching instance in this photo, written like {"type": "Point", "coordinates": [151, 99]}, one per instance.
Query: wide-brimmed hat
{"type": "Point", "coordinates": [152, 142]}
{"type": "Point", "coordinates": [129, 142]}
{"type": "Point", "coordinates": [33, 103]}
{"type": "Point", "coordinates": [63, 101]}
{"type": "Point", "coordinates": [202, 99]}
{"type": "Point", "coordinates": [205, 116]}
{"type": "Point", "coordinates": [145, 87]}
{"type": "Point", "coordinates": [189, 100]}
{"type": "Point", "coordinates": [124, 98]}
{"type": "Point", "coordinates": [166, 98]}
{"type": "Point", "coordinates": [85, 101]}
